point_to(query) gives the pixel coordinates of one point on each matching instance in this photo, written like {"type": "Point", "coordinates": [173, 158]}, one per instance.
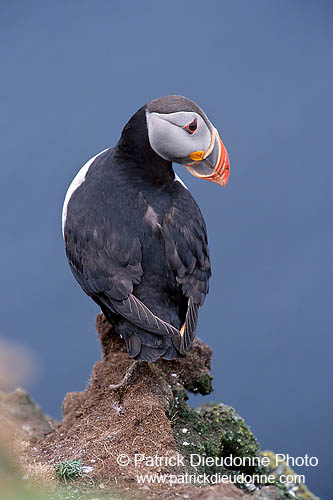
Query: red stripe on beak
{"type": "Point", "coordinates": [218, 173]}
{"type": "Point", "coordinates": [222, 169]}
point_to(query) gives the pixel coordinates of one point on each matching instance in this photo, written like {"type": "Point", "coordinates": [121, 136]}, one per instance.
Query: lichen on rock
{"type": "Point", "coordinates": [295, 489]}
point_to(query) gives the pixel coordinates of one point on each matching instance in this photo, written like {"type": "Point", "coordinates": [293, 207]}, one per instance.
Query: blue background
{"type": "Point", "coordinates": [73, 72]}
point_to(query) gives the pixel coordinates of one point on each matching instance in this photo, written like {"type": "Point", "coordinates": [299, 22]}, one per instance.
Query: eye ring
{"type": "Point", "coordinates": [191, 127]}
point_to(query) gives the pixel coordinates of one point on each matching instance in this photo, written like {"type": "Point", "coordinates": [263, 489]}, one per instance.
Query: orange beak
{"type": "Point", "coordinates": [202, 167]}
{"type": "Point", "coordinates": [221, 171]}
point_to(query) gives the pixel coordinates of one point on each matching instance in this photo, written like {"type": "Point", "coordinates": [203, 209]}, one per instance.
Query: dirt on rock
{"type": "Point", "coordinates": [106, 428]}
{"type": "Point", "coordinates": [124, 433]}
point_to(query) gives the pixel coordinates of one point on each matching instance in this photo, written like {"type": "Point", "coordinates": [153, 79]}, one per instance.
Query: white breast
{"type": "Point", "coordinates": [76, 182]}
{"type": "Point", "coordinates": [179, 180]}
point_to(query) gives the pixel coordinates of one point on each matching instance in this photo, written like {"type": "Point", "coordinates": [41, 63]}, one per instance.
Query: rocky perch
{"type": "Point", "coordinates": [114, 434]}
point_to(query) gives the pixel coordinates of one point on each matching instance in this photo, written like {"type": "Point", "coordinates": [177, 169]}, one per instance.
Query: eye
{"type": "Point", "coordinates": [191, 127]}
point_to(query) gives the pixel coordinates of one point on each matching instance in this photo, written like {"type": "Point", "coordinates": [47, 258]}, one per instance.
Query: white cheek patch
{"type": "Point", "coordinates": [76, 182]}
{"type": "Point", "coordinates": [168, 138]}
{"type": "Point", "coordinates": [158, 134]}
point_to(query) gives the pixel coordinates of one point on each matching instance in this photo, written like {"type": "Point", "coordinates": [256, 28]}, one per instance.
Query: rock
{"type": "Point", "coordinates": [146, 427]}
{"type": "Point", "coordinates": [19, 409]}
{"type": "Point", "coordinates": [296, 488]}
{"type": "Point", "coordinates": [214, 430]}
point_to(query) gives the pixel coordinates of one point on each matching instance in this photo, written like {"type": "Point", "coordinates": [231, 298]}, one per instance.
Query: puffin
{"type": "Point", "coordinates": [135, 238]}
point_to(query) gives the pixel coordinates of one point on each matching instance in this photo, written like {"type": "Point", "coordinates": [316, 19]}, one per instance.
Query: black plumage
{"type": "Point", "coordinates": [136, 242]}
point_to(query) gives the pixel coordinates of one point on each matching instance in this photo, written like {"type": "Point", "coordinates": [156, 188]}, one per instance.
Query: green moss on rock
{"type": "Point", "coordinates": [202, 385]}
{"type": "Point", "coordinates": [214, 430]}
{"type": "Point", "coordinates": [235, 437]}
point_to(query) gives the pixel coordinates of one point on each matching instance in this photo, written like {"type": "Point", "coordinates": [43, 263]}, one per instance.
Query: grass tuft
{"type": "Point", "coordinates": [68, 470]}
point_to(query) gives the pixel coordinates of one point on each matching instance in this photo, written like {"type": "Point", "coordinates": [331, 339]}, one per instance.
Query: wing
{"type": "Point", "coordinates": [106, 261]}
{"type": "Point", "coordinates": [103, 258]}
{"type": "Point", "coordinates": [187, 251]}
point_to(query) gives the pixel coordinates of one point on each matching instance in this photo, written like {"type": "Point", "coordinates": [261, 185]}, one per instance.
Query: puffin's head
{"type": "Point", "coordinates": [179, 131]}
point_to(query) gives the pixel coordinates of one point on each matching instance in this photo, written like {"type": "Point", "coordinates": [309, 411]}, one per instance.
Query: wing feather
{"type": "Point", "coordinates": [187, 251]}
{"type": "Point", "coordinates": [140, 315]}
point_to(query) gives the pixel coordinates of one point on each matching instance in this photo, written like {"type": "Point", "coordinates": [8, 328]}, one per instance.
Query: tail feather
{"type": "Point", "coordinates": [191, 320]}
{"type": "Point", "coordinates": [133, 344]}
{"type": "Point", "coordinates": [150, 354]}
{"type": "Point", "coordinates": [171, 353]}
{"type": "Point", "coordinates": [153, 338]}
{"type": "Point", "coordinates": [141, 346]}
